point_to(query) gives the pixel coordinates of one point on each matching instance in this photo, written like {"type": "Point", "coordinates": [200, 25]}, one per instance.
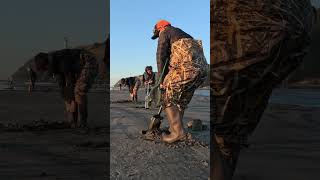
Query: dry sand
{"type": "Point", "coordinates": [135, 158]}
{"type": "Point", "coordinates": [285, 145]}
{"type": "Point", "coordinates": [54, 153]}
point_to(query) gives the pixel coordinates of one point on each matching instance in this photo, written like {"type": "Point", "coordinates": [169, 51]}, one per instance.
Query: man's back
{"type": "Point", "coordinates": [65, 61]}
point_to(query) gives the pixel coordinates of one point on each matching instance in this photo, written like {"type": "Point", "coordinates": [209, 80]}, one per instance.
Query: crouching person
{"type": "Point", "coordinates": [133, 84]}
{"type": "Point", "coordinates": [75, 70]}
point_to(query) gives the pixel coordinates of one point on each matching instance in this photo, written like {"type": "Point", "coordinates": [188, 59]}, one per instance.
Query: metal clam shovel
{"type": "Point", "coordinates": [147, 98]}
{"type": "Point", "coordinates": [154, 122]}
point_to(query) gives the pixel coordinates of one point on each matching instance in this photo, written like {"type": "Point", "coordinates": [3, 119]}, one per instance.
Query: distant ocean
{"type": "Point", "coordinates": [20, 86]}
{"type": "Point", "coordinates": [300, 97]}
{"type": "Point", "coordinates": [3, 85]}
{"type": "Point", "coordinates": [44, 86]}
{"type": "Point", "coordinates": [202, 92]}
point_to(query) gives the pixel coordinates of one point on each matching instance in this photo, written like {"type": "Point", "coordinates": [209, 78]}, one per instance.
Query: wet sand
{"type": "Point", "coordinates": [52, 153]}
{"type": "Point", "coordinates": [135, 158]}
{"type": "Point", "coordinates": [285, 145]}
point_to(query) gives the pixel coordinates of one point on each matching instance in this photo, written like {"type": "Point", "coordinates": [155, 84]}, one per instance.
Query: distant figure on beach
{"type": "Point", "coordinates": [10, 83]}
{"type": "Point", "coordinates": [181, 60]}
{"type": "Point", "coordinates": [248, 61]}
{"type": "Point", "coordinates": [133, 84]}
{"type": "Point", "coordinates": [148, 79]}
{"type": "Point", "coordinates": [32, 79]}
{"type": "Point", "coordinates": [120, 86]}
{"type": "Point", "coordinates": [75, 70]}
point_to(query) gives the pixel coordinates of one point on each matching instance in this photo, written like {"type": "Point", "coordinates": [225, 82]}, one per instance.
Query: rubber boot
{"type": "Point", "coordinates": [82, 112]}
{"type": "Point", "coordinates": [177, 131]}
{"type": "Point", "coordinates": [182, 113]}
{"type": "Point", "coordinates": [75, 118]}
{"type": "Point", "coordinates": [70, 115]}
{"type": "Point", "coordinates": [224, 160]}
{"type": "Point", "coordinates": [69, 121]}
{"type": "Point", "coordinates": [131, 97]}
{"type": "Point", "coordinates": [135, 96]}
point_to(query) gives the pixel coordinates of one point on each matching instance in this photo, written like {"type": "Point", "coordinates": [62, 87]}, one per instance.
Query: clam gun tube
{"type": "Point", "coordinates": [147, 98]}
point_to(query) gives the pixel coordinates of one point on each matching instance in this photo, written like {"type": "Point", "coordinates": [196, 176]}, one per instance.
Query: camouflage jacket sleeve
{"type": "Point", "coordinates": [163, 51]}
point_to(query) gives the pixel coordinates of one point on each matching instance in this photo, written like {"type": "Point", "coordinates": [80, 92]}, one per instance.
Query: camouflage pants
{"type": "Point", "coordinates": [87, 76]}
{"type": "Point", "coordinates": [76, 101]}
{"type": "Point", "coordinates": [256, 45]}
{"type": "Point", "coordinates": [187, 71]}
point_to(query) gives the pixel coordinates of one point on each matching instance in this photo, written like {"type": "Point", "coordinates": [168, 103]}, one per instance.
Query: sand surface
{"type": "Point", "coordinates": [52, 153]}
{"type": "Point", "coordinates": [135, 158]}
{"type": "Point", "coordinates": [285, 145]}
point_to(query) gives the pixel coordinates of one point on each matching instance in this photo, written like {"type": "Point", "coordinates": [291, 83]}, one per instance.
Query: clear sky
{"type": "Point", "coordinates": [132, 22]}
{"type": "Point", "coordinates": [30, 26]}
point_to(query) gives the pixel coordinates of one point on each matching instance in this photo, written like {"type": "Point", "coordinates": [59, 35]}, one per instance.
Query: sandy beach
{"type": "Point", "coordinates": [285, 145]}
{"type": "Point", "coordinates": [135, 158]}
{"type": "Point", "coordinates": [52, 153]}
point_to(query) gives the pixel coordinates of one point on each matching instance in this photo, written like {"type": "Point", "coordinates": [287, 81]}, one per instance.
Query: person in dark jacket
{"type": "Point", "coordinates": [186, 70]}
{"type": "Point", "coordinates": [148, 77]}
{"type": "Point", "coordinates": [75, 70]}
{"type": "Point", "coordinates": [32, 78]}
{"type": "Point", "coordinates": [11, 83]}
{"type": "Point", "coordinates": [133, 84]}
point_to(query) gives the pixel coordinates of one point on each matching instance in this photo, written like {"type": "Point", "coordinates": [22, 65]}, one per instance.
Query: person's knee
{"type": "Point", "coordinates": [70, 106]}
